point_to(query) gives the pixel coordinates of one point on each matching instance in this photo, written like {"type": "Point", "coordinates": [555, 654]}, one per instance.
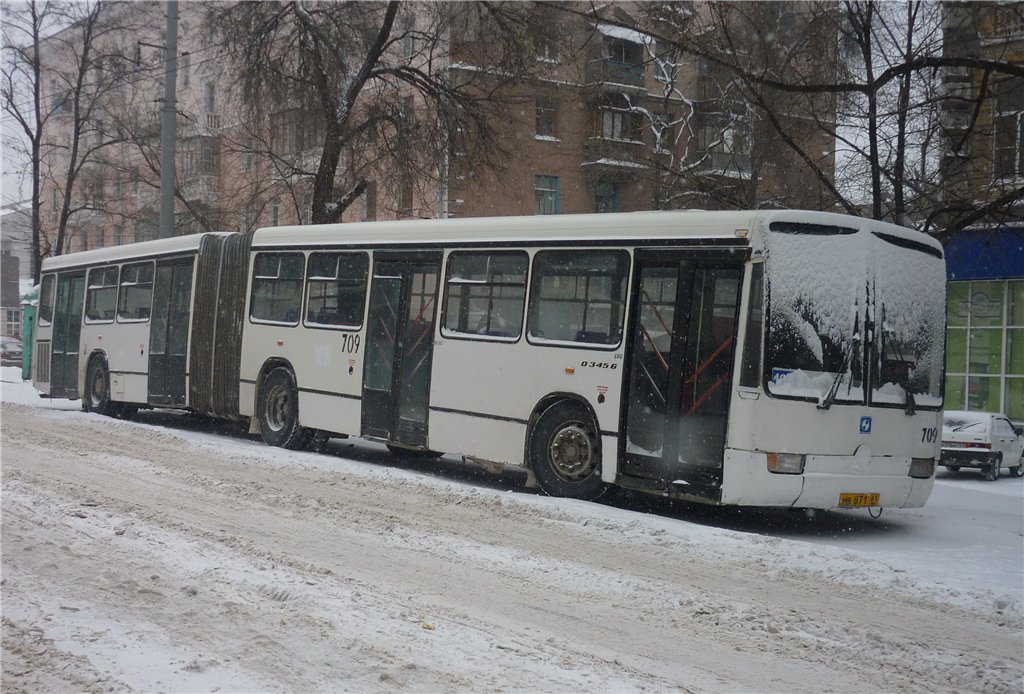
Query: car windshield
{"type": "Point", "coordinates": [849, 307]}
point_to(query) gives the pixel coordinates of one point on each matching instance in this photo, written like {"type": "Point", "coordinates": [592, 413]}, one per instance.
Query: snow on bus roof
{"type": "Point", "coordinates": [574, 228]}
{"type": "Point", "coordinates": [129, 251]}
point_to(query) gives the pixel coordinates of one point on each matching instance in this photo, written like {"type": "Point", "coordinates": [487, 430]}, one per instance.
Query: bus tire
{"type": "Point", "coordinates": [565, 452]}
{"type": "Point", "coordinates": [278, 410]}
{"type": "Point", "coordinates": [97, 389]}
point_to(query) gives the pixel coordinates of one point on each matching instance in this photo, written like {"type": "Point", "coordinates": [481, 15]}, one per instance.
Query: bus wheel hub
{"type": "Point", "coordinates": [571, 453]}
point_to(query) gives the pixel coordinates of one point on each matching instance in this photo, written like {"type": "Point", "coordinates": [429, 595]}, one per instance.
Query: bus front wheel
{"type": "Point", "coordinates": [278, 411]}
{"type": "Point", "coordinates": [565, 452]}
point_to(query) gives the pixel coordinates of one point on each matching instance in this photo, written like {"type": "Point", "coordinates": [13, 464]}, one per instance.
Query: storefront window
{"type": "Point", "coordinates": [987, 303]}
{"type": "Point", "coordinates": [985, 346]}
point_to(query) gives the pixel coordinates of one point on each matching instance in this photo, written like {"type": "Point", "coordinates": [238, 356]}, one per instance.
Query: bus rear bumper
{"type": "Point", "coordinates": [747, 481]}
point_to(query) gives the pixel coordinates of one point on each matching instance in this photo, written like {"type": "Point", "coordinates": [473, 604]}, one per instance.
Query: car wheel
{"type": "Point", "coordinates": [953, 468]}
{"type": "Point", "coordinates": [278, 411]}
{"type": "Point", "coordinates": [992, 471]}
{"type": "Point", "coordinates": [565, 452]}
{"type": "Point", "coordinates": [1017, 471]}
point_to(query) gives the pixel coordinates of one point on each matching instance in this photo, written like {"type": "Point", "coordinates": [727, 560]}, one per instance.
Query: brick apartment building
{"type": "Point", "coordinates": [611, 121]}
{"type": "Point", "coordinates": [985, 264]}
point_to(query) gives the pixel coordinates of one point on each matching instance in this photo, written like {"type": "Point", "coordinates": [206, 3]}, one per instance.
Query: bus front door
{"type": "Point", "coordinates": [67, 332]}
{"type": "Point", "coordinates": [681, 360]}
{"type": "Point", "coordinates": [400, 337]}
{"type": "Point", "coordinates": [168, 332]}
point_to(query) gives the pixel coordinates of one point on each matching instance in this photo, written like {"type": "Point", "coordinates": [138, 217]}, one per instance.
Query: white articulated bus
{"type": "Point", "coordinates": [773, 358]}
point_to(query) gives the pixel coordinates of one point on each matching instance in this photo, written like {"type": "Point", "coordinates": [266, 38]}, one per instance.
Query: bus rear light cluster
{"type": "Point", "coordinates": [922, 468]}
{"type": "Point", "coordinates": [786, 463]}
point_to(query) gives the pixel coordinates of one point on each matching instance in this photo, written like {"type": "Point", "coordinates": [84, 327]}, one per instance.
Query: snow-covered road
{"type": "Point", "coordinates": [160, 556]}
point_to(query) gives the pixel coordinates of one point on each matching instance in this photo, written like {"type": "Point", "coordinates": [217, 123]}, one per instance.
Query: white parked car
{"type": "Point", "coordinates": [982, 440]}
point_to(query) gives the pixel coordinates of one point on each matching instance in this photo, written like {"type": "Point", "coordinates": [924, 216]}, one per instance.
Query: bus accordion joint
{"type": "Point", "coordinates": [786, 463]}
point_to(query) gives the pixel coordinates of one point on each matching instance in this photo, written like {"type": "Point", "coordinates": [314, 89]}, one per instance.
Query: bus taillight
{"type": "Point", "coordinates": [786, 463]}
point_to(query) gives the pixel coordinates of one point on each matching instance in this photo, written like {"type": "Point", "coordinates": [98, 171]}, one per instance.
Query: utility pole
{"type": "Point", "coordinates": [167, 129]}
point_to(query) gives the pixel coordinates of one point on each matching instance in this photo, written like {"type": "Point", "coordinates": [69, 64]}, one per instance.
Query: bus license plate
{"type": "Point", "coordinates": [857, 500]}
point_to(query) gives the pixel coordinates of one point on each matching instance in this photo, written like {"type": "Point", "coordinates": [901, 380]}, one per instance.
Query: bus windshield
{"type": "Point", "coordinates": [854, 317]}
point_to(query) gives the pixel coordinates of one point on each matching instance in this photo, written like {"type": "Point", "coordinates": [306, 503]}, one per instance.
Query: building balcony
{"type": "Point", "coordinates": [734, 165]}
{"type": "Point", "coordinates": [615, 74]}
{"type": "Point", "coordinates": [203, 188]}
{"type": "Point", "coordinates": [613, 160]}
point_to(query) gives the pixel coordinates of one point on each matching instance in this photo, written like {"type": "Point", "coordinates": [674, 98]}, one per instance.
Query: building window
{"type": "Point", "coordinates": [185, 67]}
{"type": "Point", "coordinates": [277, 287]}
{"type": "Point", "coordinates": [306, 211]}
{"type": "Point", "coordinates": [618, 121]}
{"type": "Point", "coordinates": [578, 297]}
{"type": "Point", "coordinates": [547, 119]}
{"type": "Point", "coordinates": [405, 195]}
{"type": "Point", "coordinates": [606, 195]}
{"type": "Point", "coordinates": [408, 37]}
{"type": "Point", "coordinates": [275, 212]}
{"type": "Point", "coordinates": [246, 156]}
{"type": "Point", "coordinates": [485, 293]}
{"type": "Point", "coordinates": [337, 289]}
{"type": "Point", "coordinates": [1008, 129]}
{"type": "Point", "coordinates": [210, 97]}
{"type": "Point", "coordinates": [118, 235]}
{"type": "Point", "coordinates": [547, 48]}
{"type": "Point", "coordinates": [985, 347]}
{"type": "Point", "coordinates": [546, 194]}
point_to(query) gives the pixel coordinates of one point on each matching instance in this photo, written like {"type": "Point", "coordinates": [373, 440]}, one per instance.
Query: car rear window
{"type": "Point", "coordinates": [966, 421]}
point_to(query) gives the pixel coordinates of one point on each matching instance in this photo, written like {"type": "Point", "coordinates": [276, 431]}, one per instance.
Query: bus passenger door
{"type": "Point", "coordinates": [168, 332]}
{"type": "Point", "coordinates": [685, 314]}
{"type": "Point", "coordinates": [67, 332]}
{"type": "Point", "coordinates": [400, 337]}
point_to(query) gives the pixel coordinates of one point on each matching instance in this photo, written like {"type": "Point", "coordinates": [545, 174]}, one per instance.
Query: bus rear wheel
{"type": "Point", "coordinates": [97, 389]}
{"type": "Point", "coordinates": [278, 410]}
{"type": "Point", "coordinates": [565, 452]}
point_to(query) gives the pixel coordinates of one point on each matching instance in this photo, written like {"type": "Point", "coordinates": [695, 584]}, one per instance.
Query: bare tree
{"type": "Point", "coordinates": [364, 86]}
{"type": "Point", "coordinates": [875, 106]}
{"type": "Point", "coordinates": [59, 74]}
{"type": "Point", "coordinates": [22, 94]}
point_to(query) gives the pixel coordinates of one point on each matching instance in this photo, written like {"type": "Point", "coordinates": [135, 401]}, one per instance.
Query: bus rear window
{"type": "Point", "coordinates": [46, 300]}
{"type": "Point", "coordinates": [337, 289]}
{"type": "Point", "coordinates": [578, 297]}
{"type": "Point", "coordinates": [135, 296]}
{"type": "Point", "coordinates": [485, 294]}
{"type": "Point", "coordinates": [277, 287]}
{"type": "Point", "coordinates": [102, 294]}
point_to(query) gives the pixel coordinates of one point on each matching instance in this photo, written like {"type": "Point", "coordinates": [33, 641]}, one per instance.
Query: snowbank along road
{"type": "Point", "coordinates": [144, 557]}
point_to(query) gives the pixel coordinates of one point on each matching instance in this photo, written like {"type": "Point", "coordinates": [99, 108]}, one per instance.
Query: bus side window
{"type": "Point", "coordinates": [485, 293]}
{"type": "Point", "coordinates": [277, 287]}
{"type": "Point", "coordinates": [135, 296]}
{"type": "Point", "coordinates": [101, 297]}
{"type": "Point", "coordinates": [46, 300]}
{"type": "Point", "coordinates": [336, 295]}
{"type": "Point", "coordinates": [578, 296]}
{"type": "Point", "coordinates": [750, 368]}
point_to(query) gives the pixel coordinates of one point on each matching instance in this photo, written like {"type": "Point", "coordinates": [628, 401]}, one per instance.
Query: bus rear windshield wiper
{"type": "Point", "coordinates": [833, 391]}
